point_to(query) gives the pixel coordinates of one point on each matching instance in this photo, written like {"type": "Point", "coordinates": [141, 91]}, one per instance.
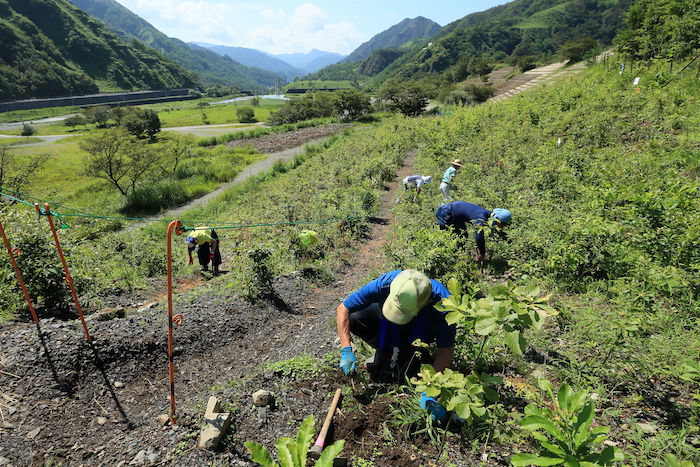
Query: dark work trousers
{"type": "Point", "coordinates": [366, 324]}
{"type": "Point", "coordinates": [204, 250]}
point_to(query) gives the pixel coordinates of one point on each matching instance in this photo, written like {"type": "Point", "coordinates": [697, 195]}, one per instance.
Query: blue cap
{"type": "Point", "coordinates": [503, 215]}
{"type": "Point", "coordinates": [191, 242]}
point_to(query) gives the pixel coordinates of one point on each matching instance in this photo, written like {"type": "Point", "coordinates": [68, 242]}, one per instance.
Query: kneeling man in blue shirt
{"type": "Point", "coordinates": [390, 313]}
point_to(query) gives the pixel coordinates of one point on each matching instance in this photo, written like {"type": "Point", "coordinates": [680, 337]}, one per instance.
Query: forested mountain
{"type": "Point", "coordinates": [534, 28]}
{"type": "Point", "coordinates": [521, 32]}
{"type": "Point", "coordinates": [52, 48]}
{"type": "Point", "coordinates": [256, 58]}
{"type": "Point", "coordinates": [209, 65]}
{"type": "Point", "coordinates": [395, 36]}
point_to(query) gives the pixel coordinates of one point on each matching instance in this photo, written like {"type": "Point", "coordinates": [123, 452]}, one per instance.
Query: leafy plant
{"type": "Point", "coordinates": [511, 309]}
{"type": "Point", "coordinates": [564, 432]}
{"type": "Point", "coordinates": [466, 395]}
{"type": "Point", "coordinates": [291, 452]}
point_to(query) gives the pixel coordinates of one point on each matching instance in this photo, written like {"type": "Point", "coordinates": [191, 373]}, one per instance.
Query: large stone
{"type": "Point", "coordinates": [263, 398]}
{"type": "Point", "coordinates": [140, 458]}
{"type": "Point", "coordinates": [215, 425]}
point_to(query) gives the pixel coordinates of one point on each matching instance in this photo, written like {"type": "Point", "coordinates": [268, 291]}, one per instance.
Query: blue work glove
{"type": "Point", "coordinates": [435, 409]}
{"type": "Point", "coordinates": [348, 361]}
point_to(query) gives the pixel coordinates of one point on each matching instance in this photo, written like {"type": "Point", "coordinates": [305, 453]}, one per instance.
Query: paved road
{"type": "Point", "coordinates": [47, 139]}
{"type": "Point", "coordinates": [17, 125]}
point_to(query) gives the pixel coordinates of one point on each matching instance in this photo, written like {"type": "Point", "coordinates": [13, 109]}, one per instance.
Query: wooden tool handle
{"type": "Point", "coordinates": [320, 441]}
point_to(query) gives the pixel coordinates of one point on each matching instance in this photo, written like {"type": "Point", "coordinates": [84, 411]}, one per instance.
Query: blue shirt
{"type": "Point", "coordinates": [449, 175]}
{"type": "Point", "coordinates": [459, 214]}
{"type": "Point", "coordinates": [429, 324]}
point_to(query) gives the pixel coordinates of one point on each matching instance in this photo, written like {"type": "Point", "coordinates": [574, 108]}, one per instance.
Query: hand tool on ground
{"type": "Point", "coordinates": [317, 448]}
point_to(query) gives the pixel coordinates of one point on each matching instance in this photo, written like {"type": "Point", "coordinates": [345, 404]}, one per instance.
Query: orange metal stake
{"type": "Point", "coordinates": [69, 279]}
{"type": "Point", "coordinates": [177, 227]}
{"type": "Point", "coordinates": [19, 275]}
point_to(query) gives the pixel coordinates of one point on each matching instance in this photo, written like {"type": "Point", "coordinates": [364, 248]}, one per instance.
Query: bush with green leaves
{"type": "Point", "coordinates": [467, 396]}
{"type": "Point", "coordinates": [292, 452]}
{"type": "Point", "coordinates": [507, 310]}
{"type": "Point", "coordinates": [564, 431]}
{"type": "Point", "coordinates": [28, 129]}
{"type": "Point", "coordinates": [246, 115]}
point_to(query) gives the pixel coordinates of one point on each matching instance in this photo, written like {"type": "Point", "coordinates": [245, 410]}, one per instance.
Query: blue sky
{"type": "Point", "coordinates": [283, 26]}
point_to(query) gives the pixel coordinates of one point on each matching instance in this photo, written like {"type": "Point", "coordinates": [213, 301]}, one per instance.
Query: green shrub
{"type": "Point", "coordinates": [246, 115]}
{"type": "Point", "coordinates": [156, 196]}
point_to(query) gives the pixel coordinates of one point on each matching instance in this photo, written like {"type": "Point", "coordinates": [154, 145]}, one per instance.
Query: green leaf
{"type": "Point", "coordinates": [536, 422]}
{"type": "Point", "coordinates": [259, 454]}
{"type": "Point", "coordinates": [583, 421]}
{"type": "Point", "coordinates": [564, 397]}
{"type": "Point", "coordinates": [432, 391]}
{"type": "Point", "coordinates": [485, 325]}
{"type": "Point", "coordinates": [611, 454]}
{"type": "Point", "coordinates": [546, 386]}
{"type": "Point", "coordinates": [534, 459]}
{"type": "Point", "coordinates": [454, 287]}
{"type": "Point", "coordinates": [516, 343]}
{"type": "Point", "coordinates": [284, 452]}
{"type": "Point", "coordinates": [577, 401]}
{"type": "Point", "coordinates": [453, 317]}
{"type": "Point", "coordinates": [304, 437]}
{"type": "Point", "coordinates": [328, 454]}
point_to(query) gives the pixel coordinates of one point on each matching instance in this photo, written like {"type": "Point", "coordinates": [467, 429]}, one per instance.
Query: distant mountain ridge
{"type": "Point", "coordinates": [256, 58]}
{"type": "Point", "coordinates": [311, 61]}
{"type": "Point", "coordinates": [209, 65]}
{"type": "Point", "coordinates": [396, 36]}
{"type": "Point", "coordinates": [51, 48]}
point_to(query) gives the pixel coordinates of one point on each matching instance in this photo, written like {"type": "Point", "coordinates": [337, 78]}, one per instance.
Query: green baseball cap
{"type": "Point", "coordinates": [409, 292]}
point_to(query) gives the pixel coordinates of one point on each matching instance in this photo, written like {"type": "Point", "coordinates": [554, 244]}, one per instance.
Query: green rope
{"type": "Point", "coordinates": [16, 199]}
{"type": "Point", "coordinates": [221, 226]}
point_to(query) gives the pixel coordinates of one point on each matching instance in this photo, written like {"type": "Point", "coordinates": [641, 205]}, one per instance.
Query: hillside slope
{"type": "Point", "coordinates": [535, 28]}
{"type": "Point", "coordinates": [210, 66]}
{"type": "Point", "coordinates": [395, 36]}
{"type": "Point", "coordinates": [311, 61]}
{"type": "Point", "coordinates": [51, 48]}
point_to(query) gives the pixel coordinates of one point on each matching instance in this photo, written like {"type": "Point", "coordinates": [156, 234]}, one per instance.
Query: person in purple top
{"type": "Point", "coordinates": [390, 313]}
{"type": "Point", "coordinates": [463, 217]}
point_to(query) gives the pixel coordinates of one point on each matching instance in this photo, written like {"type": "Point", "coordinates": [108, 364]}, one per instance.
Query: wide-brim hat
{"type": "Point", "coordinates": [409, 292]}
{"type": "Point", "coordinates": [458, 163]}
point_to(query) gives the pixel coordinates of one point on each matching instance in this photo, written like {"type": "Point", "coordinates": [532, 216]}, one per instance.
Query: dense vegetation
{"type": "Point", "coordinates": [51, 48]}
{"type": "Point", "coordinates": [522, 32]}
{"type": "Point", "coordinates": [210, 66]}
{"type": "Point", "coordinates": [607, 220]}
{"type": "Point", "coordinates": [397, 35]}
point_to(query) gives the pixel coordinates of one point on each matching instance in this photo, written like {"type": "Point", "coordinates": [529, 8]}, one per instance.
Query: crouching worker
{"type": "Point", "coordinates": [390, 313]}
{"type": "Point", "coordinates": [416, 181]}
{"type": "Point", "coordinates": [207, 243]}
{"type": "Point", "coordinates": [463, 217]}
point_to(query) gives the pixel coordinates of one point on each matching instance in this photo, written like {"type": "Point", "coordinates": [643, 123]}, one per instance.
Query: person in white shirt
{"type": "Point", "coordinates": [416, 181]}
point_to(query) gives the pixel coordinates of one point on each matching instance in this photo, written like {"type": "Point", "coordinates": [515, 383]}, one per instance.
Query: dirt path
{"type": "Point", "coordinates": [63, 400]}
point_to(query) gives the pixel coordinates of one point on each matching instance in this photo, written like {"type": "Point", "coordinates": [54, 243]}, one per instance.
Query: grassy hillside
{"type": "Point", "coordinates": [607, 221]}
{"type": "Point", "coordinates": [209, 65]}
{"type": "Point", "coordinates": [51, 48]}
{"type": "Point", "coordinates": [521, 28]}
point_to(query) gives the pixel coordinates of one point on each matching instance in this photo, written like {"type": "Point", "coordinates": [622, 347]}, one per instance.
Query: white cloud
{"type": "Point", "coordinates": [247, 24]}
{"type": "Point", "coordinates": [306, 28]}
